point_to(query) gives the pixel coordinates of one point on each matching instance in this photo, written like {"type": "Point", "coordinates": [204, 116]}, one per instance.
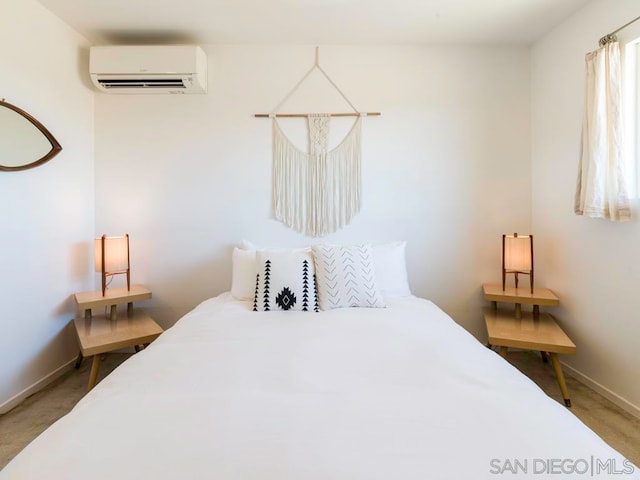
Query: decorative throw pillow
{"type": "Point", "coordinates": [346, 277]}
{"type": "Point", "coordinates": [285, 280]}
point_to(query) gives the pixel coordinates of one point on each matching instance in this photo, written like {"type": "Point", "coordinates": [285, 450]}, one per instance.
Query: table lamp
{"type": "Point", "coordinates": [517, 257]}
{"type": "Point", "coordinates": [112, 258]}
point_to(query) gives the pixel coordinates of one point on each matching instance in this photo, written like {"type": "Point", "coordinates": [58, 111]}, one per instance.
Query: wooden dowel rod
{"type": "Point", "coordinates": [291, 115]}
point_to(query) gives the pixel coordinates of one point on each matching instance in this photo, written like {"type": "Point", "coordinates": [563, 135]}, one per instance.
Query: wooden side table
{"type": "Point", "coordinates": [101, 333]}
{"type": "Point", "coordinates": [527, 330]}
{"type": "Point", "coordinates": [520, 296]}
{"type": "Point", "coordinates": [86, 301]}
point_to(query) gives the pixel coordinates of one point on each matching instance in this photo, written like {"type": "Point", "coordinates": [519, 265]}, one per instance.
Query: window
{"type": "Point", "coordinates": [630, 49]}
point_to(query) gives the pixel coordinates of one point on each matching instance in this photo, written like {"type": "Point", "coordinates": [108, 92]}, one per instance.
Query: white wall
{"type": "Point", "coordinates": [446, 166]}
{"type": "Point", "coordinates": [594, 265]}
{"type": "Point", "coordinates": [47, 213]}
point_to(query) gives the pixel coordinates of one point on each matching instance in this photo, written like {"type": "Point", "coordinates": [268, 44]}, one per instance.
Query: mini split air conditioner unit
{"type": "Point", "coordinates": [149, 69]}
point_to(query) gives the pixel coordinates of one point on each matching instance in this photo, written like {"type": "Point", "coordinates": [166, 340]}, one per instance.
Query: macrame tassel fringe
{"type": "Point", "coordinates": [316, 194]}
{"type": "Point", "coordinates": [290, 167]}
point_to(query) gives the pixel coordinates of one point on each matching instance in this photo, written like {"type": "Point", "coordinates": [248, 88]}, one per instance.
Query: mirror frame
{"type": "Point", "coordinates": [56, 148]}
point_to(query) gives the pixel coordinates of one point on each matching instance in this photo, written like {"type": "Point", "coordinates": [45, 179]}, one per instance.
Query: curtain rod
{"type": "Point", "coordinates": [611, 37]}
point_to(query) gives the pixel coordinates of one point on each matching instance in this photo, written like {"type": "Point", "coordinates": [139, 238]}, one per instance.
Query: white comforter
{"type": "Point", "coordinates": [396, 393]}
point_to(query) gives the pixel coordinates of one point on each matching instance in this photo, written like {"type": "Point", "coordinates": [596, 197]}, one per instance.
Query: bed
{"type": "Point", "coordinates": [228, 393]}
{"type": "Point", "coordinates": [401, 392]}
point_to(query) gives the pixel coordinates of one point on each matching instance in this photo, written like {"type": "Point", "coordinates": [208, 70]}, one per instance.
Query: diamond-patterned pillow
{"type": "Point", "coordinates": [346, 277]}
{"type": "Point", "coordinates": [285, 281]}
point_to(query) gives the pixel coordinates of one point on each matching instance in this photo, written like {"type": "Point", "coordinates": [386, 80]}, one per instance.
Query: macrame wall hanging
{"type": "Point", "coordinates": [319, 191]}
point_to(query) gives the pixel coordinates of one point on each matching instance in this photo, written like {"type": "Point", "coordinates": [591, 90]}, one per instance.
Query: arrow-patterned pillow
{"type": "Point", "coordinates": [346, 277]}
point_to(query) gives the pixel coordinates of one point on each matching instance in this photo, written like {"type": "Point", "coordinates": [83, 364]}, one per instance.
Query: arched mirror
{"type": "Point", "coordinates": [24, 141]}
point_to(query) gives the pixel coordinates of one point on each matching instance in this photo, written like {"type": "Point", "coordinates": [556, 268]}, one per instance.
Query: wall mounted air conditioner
{"type": "Point", "coordinates": [149, 69]}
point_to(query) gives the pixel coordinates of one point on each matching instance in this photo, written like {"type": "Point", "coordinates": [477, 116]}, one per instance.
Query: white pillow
{"type": "Point", "coordinates": [243, 269]}
{"type": "Point", "coordinates": [243, 274]}
{"type": "Point", "coordinates": [391, 269]}
{"type": "Point", "coordinates": [247, 245]}
{"type": "Point", "coordinates": [284, 280]}
{"type": "Point", "coordinates": [346, 277]}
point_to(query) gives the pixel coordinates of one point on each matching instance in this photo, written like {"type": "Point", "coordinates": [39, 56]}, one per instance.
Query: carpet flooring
{"type": "Point", "coordinates": [25, 422]}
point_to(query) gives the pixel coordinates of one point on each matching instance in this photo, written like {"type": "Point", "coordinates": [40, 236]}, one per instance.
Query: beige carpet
{"type": "Point", "coordinates": [25, 422]}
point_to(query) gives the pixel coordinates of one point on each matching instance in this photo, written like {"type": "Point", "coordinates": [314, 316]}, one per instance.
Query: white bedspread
{"type": "Point", "coordinates": [376, 394]}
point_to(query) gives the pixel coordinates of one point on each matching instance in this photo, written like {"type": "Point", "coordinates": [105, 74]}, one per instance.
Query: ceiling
{"type": "Point", "coordinates": [484, 22]}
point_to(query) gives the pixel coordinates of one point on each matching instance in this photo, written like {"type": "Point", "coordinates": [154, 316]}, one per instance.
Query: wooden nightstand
{"type": "Point", "coordinates": [527, 330]}
{"type": "Point", "coordinates": [99, 333]}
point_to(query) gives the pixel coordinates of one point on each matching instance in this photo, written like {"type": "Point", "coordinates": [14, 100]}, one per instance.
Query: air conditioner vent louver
{"type": "Point", "coordinates": [143, 83]}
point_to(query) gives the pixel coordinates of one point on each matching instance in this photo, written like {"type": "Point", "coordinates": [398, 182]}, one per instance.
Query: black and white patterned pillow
{"type": "Point", "coordinates": [285, 281]}
{"type": "Point", "coordinates": [346, 277]}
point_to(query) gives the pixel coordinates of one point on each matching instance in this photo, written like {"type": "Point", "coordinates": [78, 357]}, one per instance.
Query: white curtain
{"type": "Point", "coordinates": [601, 191]}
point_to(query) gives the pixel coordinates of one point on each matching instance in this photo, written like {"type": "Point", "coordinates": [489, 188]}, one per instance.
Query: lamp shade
{"type": "Point", "coordinates": [517, 253]}
{"type": "Point", "coordinates": [116, 254]}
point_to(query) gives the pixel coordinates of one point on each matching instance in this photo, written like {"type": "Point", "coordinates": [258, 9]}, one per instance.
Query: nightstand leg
{"type": "Point", "coordinates": [79, 360]}
{"type": "Point", "coordinates": [560, 378]}
{"type": "Point", "coordinates": [503, 352]}
{"type": "Point", "coordinates": [518, 310]}
{"type": "Point", "coordinates": [95, 366]}
{"type": "Point", "coordinates": [545, 357]}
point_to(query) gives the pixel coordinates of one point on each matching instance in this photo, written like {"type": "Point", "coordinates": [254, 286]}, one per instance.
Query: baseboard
{"type": "Point", "coordinates": [602, 390]}
{"type": "Point", "coordinates": [35, 387]}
